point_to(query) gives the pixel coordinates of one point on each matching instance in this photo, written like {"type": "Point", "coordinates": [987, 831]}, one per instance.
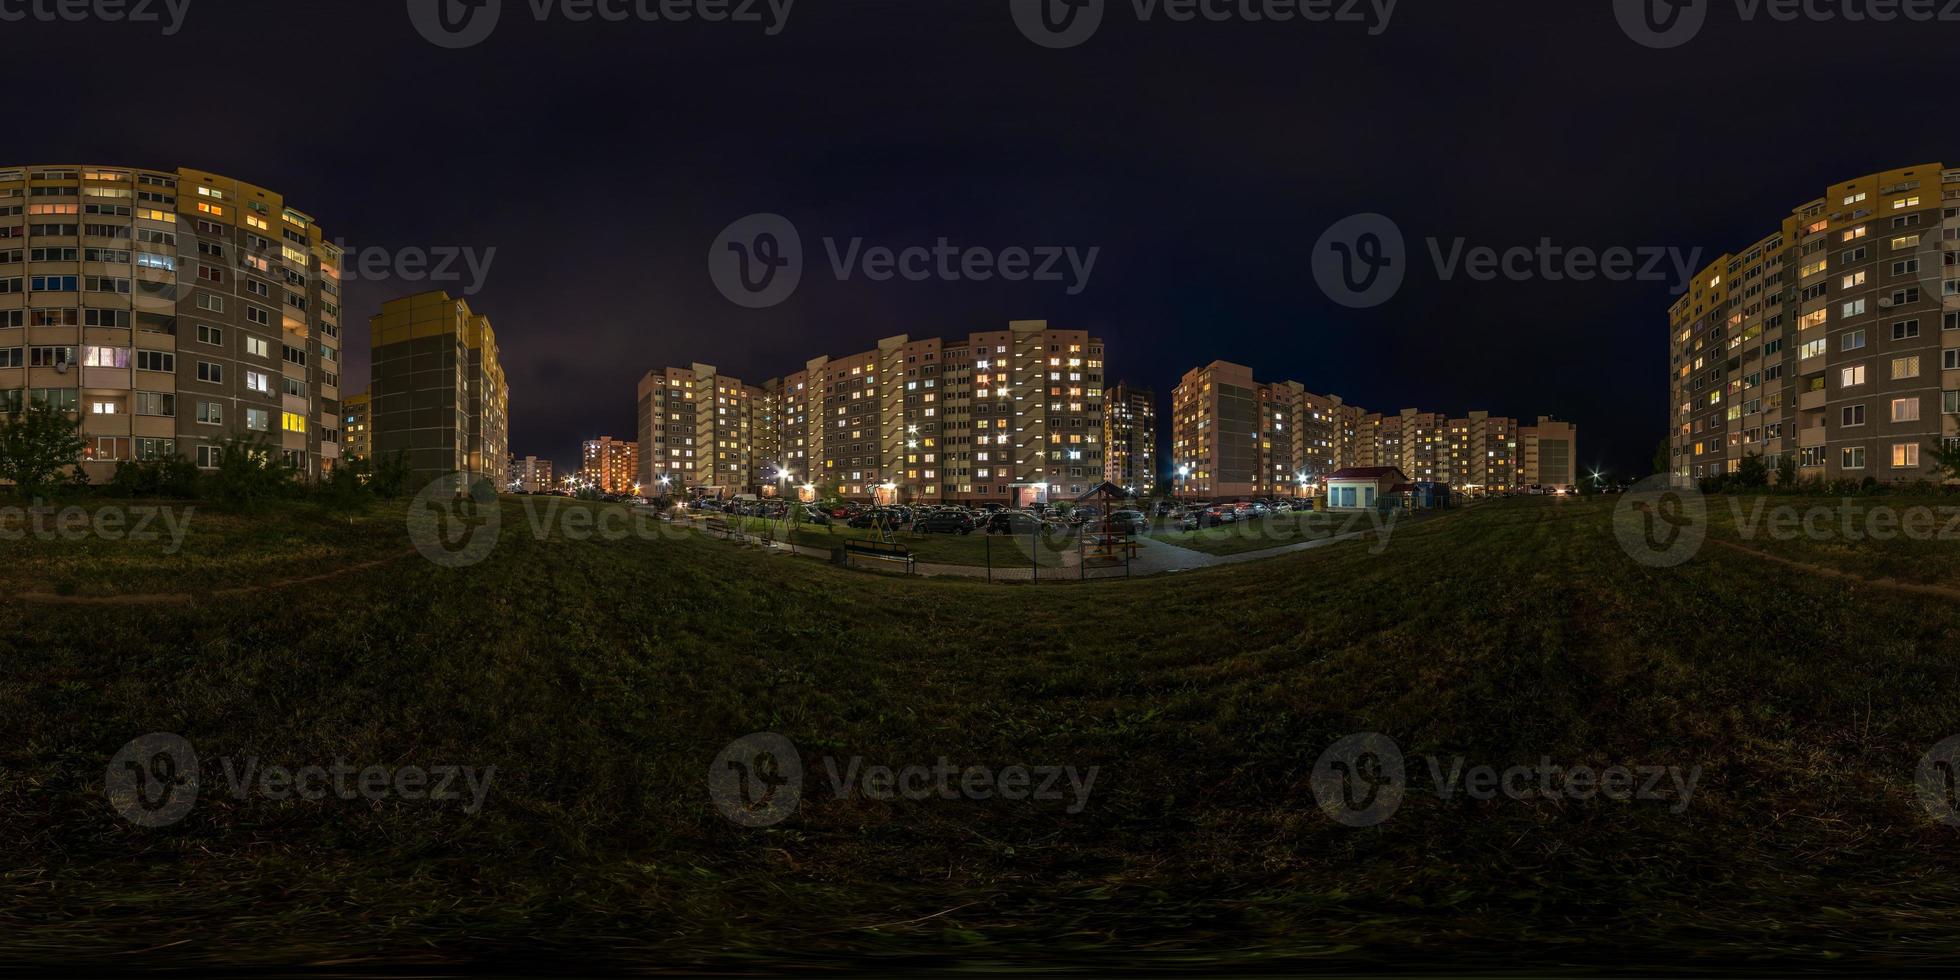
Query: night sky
{"type": "Point", "coordinates": [1204, 160]}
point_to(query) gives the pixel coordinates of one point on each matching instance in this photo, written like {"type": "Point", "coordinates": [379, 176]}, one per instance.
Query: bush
{"type": "Point", "coordinates": [388, 476]}
{"type": "Point", "coordinates": [347, 490]}
{"type": "Point", "coordinates": [174, 477]}
{"type": "Point", "coordinates": [247, 475]}
{"type": "Point", "coordinates": [37, 446]}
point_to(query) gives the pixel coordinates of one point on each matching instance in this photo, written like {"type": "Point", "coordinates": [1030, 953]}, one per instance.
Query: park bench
{"type": "Point", "coordinates": [881, 552]}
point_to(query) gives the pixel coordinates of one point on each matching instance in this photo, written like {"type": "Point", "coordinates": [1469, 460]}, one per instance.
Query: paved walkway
{"type": "Point", "coordinates": [1154, 557]}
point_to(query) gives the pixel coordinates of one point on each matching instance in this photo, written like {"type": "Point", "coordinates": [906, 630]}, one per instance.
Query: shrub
{"type": "Point", "coordinates": [247, 474]}
{"type": "Point", "coordinates": [36, 446]}
{"type": "Point", "coordinates": [174, 477]}
{"type": "Point", "coordinates": [388, 476]}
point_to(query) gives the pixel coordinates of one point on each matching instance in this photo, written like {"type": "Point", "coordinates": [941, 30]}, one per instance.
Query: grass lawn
{"type": "Point", "coordinates": [602, 678]}
{"type": "Point", "coordinates": [1276, 531]}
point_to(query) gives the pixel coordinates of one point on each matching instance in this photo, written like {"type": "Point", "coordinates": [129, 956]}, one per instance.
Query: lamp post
{"type": "Point", "coordinates": [1184, 482]}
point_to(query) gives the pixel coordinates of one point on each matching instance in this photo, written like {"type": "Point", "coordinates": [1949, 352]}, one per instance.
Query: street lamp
{"type": "Point", "coordinates": [1184, 482]}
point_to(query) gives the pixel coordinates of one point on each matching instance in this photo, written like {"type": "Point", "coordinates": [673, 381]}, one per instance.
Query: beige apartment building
{"type": "Point", "coordinates": [1012, 415]}
{"type": "Point", "coordinates": [439, 392]}
{"type": "Point", "coordinates": [612, 465]}
{"type": "Point", "coordinates": [1236, 437]}
{"type": "Point", "coordinates": [530, 475]}
{"type": "Point", "coordinates": [1834, 340]}
{"type": "Point", "coordinates": [1130, 438]}
{"type": "Point", "coordinates": [1551, 454]}
{"type": "Point", "coordinates": [169, 310]}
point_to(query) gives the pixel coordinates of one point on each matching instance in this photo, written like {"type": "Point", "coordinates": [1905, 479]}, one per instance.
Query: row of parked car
{"type": "Point", "coordinates": [1194, 516]}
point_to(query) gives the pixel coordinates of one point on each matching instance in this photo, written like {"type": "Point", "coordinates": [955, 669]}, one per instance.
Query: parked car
{"type": "Point", "coordinates": [944, 522]}
{"type": "Point", "coordinates": [816, 515]}
{"type": "Point", "coordinates": [1200, 519]}
{"type": "Point", "coordinates": [874, 518]}
{"type": "Point", "coordinates": [1014, 522]}
{"type": "Point", "coordinates": [1128, 522]}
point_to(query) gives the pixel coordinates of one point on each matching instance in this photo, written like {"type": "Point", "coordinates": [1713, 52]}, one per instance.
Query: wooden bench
{"type": "Point", "coordinates": [881, 552]}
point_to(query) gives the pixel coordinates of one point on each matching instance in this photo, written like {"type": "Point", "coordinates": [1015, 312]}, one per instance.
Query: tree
{"type": "Point", "coordinates": [1661, 457]}
{"type": "Point", "coordinates": [247, 474]}
{"type": "Point", "coordinates": [388, 475]}
{"type": "Point", "coordinates": [1946, 459]}
{"type": "Point", "coordinates": [1786, 471]}
{"type": "Point", "coordinates": [1753, 473]}
{"type": "Point", "coordinates": [36, 446]}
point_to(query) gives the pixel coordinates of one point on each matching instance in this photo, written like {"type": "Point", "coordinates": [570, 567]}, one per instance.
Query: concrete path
{"type": "Point", "coordinates": [1153, 558]}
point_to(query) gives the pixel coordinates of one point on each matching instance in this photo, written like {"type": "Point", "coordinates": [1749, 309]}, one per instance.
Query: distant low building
{"type": "Point", "coordinates": [1362, 487]}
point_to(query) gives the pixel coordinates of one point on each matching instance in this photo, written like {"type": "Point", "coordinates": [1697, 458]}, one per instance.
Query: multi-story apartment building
{"type": "Point", "coordinates": [1834, 340]}
{"type": "Point", "coordinates": [169, 310]}
{"type": "Point", "coordinates": [612, 465]}
{"type": "Point", "coordinates": [1130, 438]}
{"type": "Point", "coordinates": [1235, 437]}
{"type": "Point", "coordinates": [439, 392]}
{"type": "Point", "coordinates": [1551, 454]}
{"type": "Point", "coordinates": [356, 435]}
{"type": "Point", "coordinates": [697, 432]}
{"type": "Point", "coordinates": [530, 475]}
{"type": "Point", "coordinates": [1011, 415]}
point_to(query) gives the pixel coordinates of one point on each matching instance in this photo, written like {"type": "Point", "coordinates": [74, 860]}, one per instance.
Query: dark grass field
{"type": "Point", "coordinates": [602, 679]}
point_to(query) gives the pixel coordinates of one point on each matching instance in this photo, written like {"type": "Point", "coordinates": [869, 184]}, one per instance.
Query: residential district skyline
{"type": "Point", "coordinates": [1206, 194]}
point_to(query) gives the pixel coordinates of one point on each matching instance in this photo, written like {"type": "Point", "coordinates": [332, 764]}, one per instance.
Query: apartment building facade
{"type": "Point", "coordinates": [1550, 454]}
{"type": "Point", "coordinates": [1130, 437]}
{"type": "Point", "coordinates": [1834, 340]}
{"type": "Point", "coordinates": [1236, 437]}
{"type": "Point", "coordinates": [169, 310]}
{"type": "Point", "coordinates": [439, 392]}
{"type": "Point", "coordinates": [1012, 415]}
{"type": "Point", "coordinates": [612, 465]}
{"type": "Point", "coordinates": [530, 475]}
{"type": "Point", "coordinates": [356, 435]}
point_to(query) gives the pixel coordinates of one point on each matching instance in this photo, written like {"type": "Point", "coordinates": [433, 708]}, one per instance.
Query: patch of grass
{"type": "Point", "coordinates": [602, 678]}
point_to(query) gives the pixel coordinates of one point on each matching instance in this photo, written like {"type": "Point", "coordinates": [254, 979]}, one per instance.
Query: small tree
{"type": "Point", "coordinates": [36, 446]}
{"type": "Point", "coordinates": [1946, 459]}
{"type": "Point", "coordinates": [1786, 472]}
{"type": "Point", "coordinates": [347, 490]}
{"type": "Point", "coordinates": [1661, 457]}
{"type": "Point", "coordinates": [247, 474]}
{"type": "Point", "coordinates": [1753, 473]}
{"type": "Point", "coordinates": [388, 476]}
